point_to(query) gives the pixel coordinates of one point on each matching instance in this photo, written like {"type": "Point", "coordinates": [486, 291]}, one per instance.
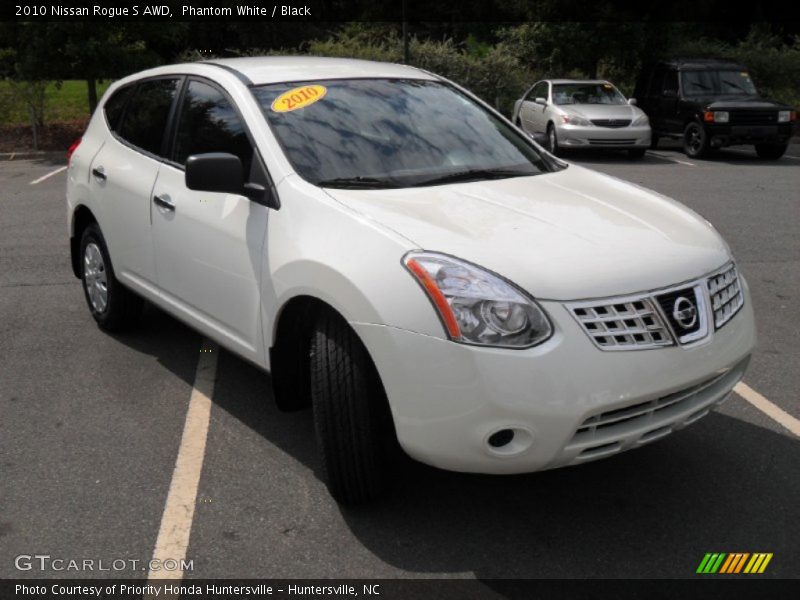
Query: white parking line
{"type": "Point", "coordinates": [176, 522]}
{"type": "Point", "coordinates": [773, 411]}
{"type": "Point", "coordinates": [50, 174]}
{"type": "Point", "coordinates": [675, 160]}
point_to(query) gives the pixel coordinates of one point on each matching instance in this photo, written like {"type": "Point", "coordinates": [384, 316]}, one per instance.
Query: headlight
{"type": "Point", "coordinates": [477, 306]}
{"type": "Point", "coordinates": [784, 116]}
{"type": "Point", "coordinates": [716, 116]}
{"type": "Point", "coordinates": [640, 120]}
{"type": "Point", "coordinates": [576, 120]}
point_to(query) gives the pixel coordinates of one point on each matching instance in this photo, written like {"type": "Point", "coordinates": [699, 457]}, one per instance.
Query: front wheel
{"type": "Point", "coordinates": [770, 151]}
{"type": "Point", "coordinates": [552, 140]}
{"type": "Point", "coordinates": [113, 306]}
{"type": "Point", "coordinates": [351, 414]}
{"type": "Point", "coordinates": [637, 153]}
{"type": "Point", "coordinates": [695, 140]}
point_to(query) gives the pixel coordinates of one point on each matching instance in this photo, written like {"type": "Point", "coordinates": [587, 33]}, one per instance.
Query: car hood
{"type": "Point", "coordinates": [738, 102]}
{"type": "Point", "coordinates": [602, 111]}
{"type": "Point", "coordinates": [568, 235]}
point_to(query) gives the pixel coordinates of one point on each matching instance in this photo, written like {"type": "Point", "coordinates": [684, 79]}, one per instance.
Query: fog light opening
{"type": "Point", "coordinates": [501, 438]}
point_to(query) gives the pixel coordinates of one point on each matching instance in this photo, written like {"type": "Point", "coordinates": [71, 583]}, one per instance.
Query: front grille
{"type": "Point", "coordinates": [622, 324]}
{"type": "Point", "coordinates": [753, 117]}
{"type": "Point", "coordinates": [612, 123]}
{"type": "Point", "coordinates": [614, 142]}
{"type": "Point", "coordinates": [680, 314]}
{"type": "Point", "coordinates": [726, 295]}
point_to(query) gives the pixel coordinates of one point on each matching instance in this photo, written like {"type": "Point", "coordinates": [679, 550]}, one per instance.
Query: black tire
{"type": "Point", "coordinates": [552, 140]}
{"type": "Point", "coordinates": [351, 414]}
{"type": "Point", "coordinates": [637, 153]}
{"type": "Point", "coordinates": [695, 140]}
{"type": "Point", "coordinates": [770, 151]}
{"type": "Point", "coordinates": [653, 141]}
{"type": "Point", "coordinates": [122, 308]}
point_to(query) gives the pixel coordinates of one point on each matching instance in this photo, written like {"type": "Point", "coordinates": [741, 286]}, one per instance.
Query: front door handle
{"type": "Point", "coordinates": [164, 202]}
{"type": "Point", "coordinates": [99, 173]}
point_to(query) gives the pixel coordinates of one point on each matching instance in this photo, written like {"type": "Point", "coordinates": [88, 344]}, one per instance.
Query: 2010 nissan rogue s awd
{"type": "Point", "coordinates": [406, 261]}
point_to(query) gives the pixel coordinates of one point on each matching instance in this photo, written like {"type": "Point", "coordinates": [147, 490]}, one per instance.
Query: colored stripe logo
{"type": "Point", "coordinates": [734, 562]}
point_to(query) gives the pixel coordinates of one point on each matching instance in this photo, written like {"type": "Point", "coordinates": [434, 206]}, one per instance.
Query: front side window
{"type": "Point", "coordinates": [586, 93]}
{"type": "Point", "coordinates": [717, 83]}
{"type": "Point", "coordinates": [209, 123]}
{"type": "Point", "coordinates": [394, 133]}
{"type": "Point", "coordinates": [145, 119]}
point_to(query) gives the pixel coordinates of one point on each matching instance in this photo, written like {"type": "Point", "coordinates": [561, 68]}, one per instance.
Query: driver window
{"type": "Point", "coordinates": [209, 123]}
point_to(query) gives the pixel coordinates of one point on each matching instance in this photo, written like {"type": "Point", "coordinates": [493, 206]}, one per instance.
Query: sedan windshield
{"type": "Point", "coordinates": [586, 93]}
{"type": "Point", "coordinates": [382, 133]}
{"type": "Point", "coordinates": [717, 83]}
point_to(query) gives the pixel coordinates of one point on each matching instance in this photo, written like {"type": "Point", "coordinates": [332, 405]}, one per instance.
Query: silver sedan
{"type": "Point", "coordinates": [575, 113]}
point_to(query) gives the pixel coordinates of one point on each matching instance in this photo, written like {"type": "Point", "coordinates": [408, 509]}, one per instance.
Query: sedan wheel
{"type": "Point", "coordinates": [552, 140]}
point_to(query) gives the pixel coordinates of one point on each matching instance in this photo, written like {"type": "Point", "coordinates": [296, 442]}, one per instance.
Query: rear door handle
{"type": "Point", "coordinates": [99, 173]}
{"type": "Point", "coordinates": [164, 202]}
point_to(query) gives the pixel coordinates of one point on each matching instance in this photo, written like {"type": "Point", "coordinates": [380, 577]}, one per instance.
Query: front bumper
{"type": "Point", "coordinates": [572, 136]}
{"type": "Point", "coordinates": [728, 135]}
{"type": "Point", "coordinates": [447, 399]}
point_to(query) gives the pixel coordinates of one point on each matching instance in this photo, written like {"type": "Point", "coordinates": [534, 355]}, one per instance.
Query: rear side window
{"type": "Point", "coordinates": [209, 123]}
{"type": "Point", "coordinates": [115, 105]}
{"type": "Point", "coordinates": [146, 115]}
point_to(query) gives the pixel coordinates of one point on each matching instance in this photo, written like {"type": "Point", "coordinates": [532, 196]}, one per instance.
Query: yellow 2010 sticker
{"type": "Point", "coordinates": [299, 97]}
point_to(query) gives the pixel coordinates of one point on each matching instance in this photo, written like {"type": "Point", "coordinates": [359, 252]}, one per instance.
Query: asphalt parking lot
{"type": "Point", "coordinates": [91, 426]}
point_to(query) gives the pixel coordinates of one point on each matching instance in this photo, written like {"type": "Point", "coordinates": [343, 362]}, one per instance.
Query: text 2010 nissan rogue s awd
{"type": "Point", "coordinates": [403, 259]}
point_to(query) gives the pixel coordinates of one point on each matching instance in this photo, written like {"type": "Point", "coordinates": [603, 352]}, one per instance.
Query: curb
{"type": "Point", "coordinates": [30, 154]}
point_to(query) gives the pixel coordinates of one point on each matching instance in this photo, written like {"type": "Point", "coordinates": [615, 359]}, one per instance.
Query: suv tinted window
{"type": "Point", "coordinates": [671, 81]}
{"type": "Point", "coordinates": [146, 115]}
{"type": "Point", "coordinates": [209, 123]}
{"type": "Point", "coordinates": [115, 105]}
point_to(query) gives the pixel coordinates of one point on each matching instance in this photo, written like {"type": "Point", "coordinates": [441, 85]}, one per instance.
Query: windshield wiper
{"type": "Point", "coordinates": [367, 183]}
{"type": "Point", "coordinates": [474, 175]}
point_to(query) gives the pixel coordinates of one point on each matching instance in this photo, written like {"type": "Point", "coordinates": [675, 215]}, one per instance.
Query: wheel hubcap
{"type": "Point", "coordinates": [694, 140]}
{"type": "Point", "coordinates": [94, 277]}
{"type": "Point", "coordinates": [552, 140]}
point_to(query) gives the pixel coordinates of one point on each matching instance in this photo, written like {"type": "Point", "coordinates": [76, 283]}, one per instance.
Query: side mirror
{"type": "Point", "coordinates": [632, 101]}
{"type": "Point", "coordinates": [221, 172]}
{"type": "Point", "coordinates": [540, 100]}
{"type": "Point", "coordinates": [215, 172]}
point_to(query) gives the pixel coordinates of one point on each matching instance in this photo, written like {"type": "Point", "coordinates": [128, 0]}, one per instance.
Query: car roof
{"type": "Point", "coordinates": [261, 70]}
{"type": "Point", "coordinates": [558, 81]}
{"type": "Point", "coordinates": [701, 63]}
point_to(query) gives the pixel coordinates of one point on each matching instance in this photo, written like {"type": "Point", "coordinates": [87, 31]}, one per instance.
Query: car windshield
{"type": "Point", "coordinates": [586, 93]}
{"type": "Point", "coordinates": [364, 133]}
{"type": "Point", "coordinates": [717, 83]}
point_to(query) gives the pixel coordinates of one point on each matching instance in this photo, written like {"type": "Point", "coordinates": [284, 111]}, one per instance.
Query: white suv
{"type": "Point", "coordinates": [402, 258]}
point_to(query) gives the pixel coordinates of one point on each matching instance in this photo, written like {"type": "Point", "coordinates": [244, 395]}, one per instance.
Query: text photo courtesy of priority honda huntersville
{"type": "Point", "coordinates": [408, 262]}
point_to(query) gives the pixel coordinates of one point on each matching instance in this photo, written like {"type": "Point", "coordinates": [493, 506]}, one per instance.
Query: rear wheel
{"type": "Point", "coordinates": [351, 414]}
{"type": "Point", "coordinates": [552, 139]}
{"type": "Point", "coordinates": [770, 151]}
{"type": "Point", "coordinates": [113, 306]}
{"type": "Point", "coordinates": [695, 140]}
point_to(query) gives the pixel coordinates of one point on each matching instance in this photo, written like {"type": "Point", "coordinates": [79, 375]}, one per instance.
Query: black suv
{"type": "Point", "coordinates": [711, 104]}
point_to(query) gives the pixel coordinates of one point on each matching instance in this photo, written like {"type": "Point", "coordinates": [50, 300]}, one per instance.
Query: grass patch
{"type": "Point", "coordinates": [67, 102]}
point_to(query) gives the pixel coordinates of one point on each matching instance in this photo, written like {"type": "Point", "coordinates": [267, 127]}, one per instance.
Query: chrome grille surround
{"type": "Point", "coordinates": [638, 322]}
{"type": "Point", "coordinates": [726, 294]}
